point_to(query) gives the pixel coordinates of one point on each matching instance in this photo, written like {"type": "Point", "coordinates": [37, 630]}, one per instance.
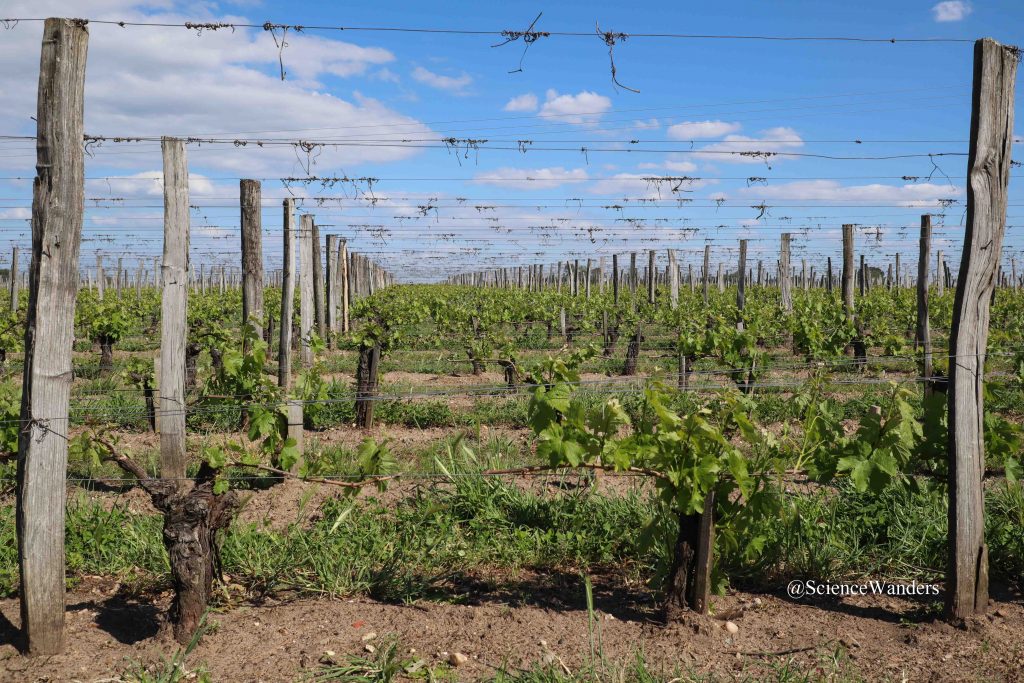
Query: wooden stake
{"type": "Point", "coordinates": [785, 285]}
{"type": "Point", "coordinates": [847, 284]}
{"type": "Point", "coordinates": [988, 174]}
{"type": "Point", "coordinates": [58, 199]}
{"type": "Point", "coordinates": [306, 291]}
{"type": "Point", "coordinates": [252, 254]}
{"type": "Point", "coordinates": [173, 315]}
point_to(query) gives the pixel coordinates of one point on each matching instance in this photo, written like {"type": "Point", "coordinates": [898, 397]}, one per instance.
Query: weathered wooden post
{"type": "Point", "coordinates": [673, 279]}
{"type": "Point", "coordinates": [173, 311]}
{"type": "Point", "coordinates": [615, 278]}
{"type": "Point", "coordinates": [318, 284]}
{"type": "Point", "coordinates": [284, 365]}
{"type": "Point", "coordinates": [785, 284]}
{"type": "Point", "coordinates": [650, 276]}
{"type": "Point", "coordinates": [940, 273]}
{"type": "Point", "coordinates": [13, 280]}
{"type": "Point", "coordinates": [252, 254]}
{"type": "Point", "coordinates": [741, 284]}
{"type": "Point", "coordinates": [101, 278]}
{"type": "Point", "coordinates": [306, 291]}
{"type": "Point", "coordinates": [332, 289]}
{"type": "Point", "coordinates": [847, 284]}
{"type": "Point", "coordinates": [58, 202]}
{"type": "Point", "coordinates": [923, 335]}
{"type": "Point", "coordinates": [988, 177]}
{"type": "Point", "coordinates": [343, 284]}
{"type": "Point", "coordinates": [707, 267]}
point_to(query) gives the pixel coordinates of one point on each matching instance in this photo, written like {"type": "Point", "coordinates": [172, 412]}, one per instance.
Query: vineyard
{"type": "Point", "coordinates": [305, 454]}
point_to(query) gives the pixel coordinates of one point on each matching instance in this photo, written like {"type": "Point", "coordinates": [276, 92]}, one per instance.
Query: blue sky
{"type": "Point", "coordinates": [377, 104]}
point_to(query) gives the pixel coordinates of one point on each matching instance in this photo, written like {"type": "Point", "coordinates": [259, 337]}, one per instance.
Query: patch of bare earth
{"type": "Point", "coordinates": [541, 618]}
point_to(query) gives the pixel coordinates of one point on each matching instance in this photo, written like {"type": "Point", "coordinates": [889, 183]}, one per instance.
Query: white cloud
{"type": "Point", "coordinates": [670, 165]}
{"type": "Point", "coordinates": [531, 178]}
{"type": "Point", "coordinates": [910, 195]}
{"type": "Point", "coordinates": [526, 102]}
{"type": "Point", "coordinates": [699, 130]}
{"type": "Point", "coordinates": [454, 84]}
{"type": "Point", "coordinates": [583, 109]}
{"type": "Point", "coordinates": [649, 124]}
{"type": "Point", "coordinates": [774, 141]}
{"type": "Point", "coordinates": [142, 82]}
{"type": "Point", "coordinates": [951, 10]}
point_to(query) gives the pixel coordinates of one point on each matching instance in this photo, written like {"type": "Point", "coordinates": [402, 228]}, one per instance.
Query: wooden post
{"type": "Point", "coordinates": [721, 278]}
{"type": "Point", "coordinates": [173, 316]}
{"type": "Point", "coordinates": [284, 351]}
{"type": "Point", "coordinates": [896, 278]}
{"type": "Point", "coordinates": [741, 283]}
{"type": "Point", "coordinates": [988, 176]}
{"type": "Point", "coordinates": [331, 312]}
{"type": "Point", "coordinates": [847, 284]}
{"type": "Point", "coordinates": [922, 338]}
{"type": "Point", "coordinates": [318, 284]}
{"type": "Point", "coordinates": [673, 279]}
{"type": "Point", "coordinates": [284, 366]}
{"type": "Point", "coordinates": [828, 282]}
{"type": "Point", "coordinates": [101, 278]}
{"type": "Point", "coordinates": [940, 273]}
{"type": "Point", "coordinates": [306, 290]}
{"type": "Point", "coordinates": [117, 279]}
{"type": "Point", "coordinates": [707, 267]}
{"type": "Point", "coordinates": [58, 199]}
{"type": "Point", "coordinates": [587, 277]}
{"type": "Point", "coordinates": [13, 280]}
{"type": "Point", "coordinates": [785, 285]}
{"type": "Point", "coordinates": [863, 276]}
{"type": "Point", "coordinates": [343, 283]}
{"type": "Point", "coordinates": [252, 254]}
{"type": "Point", "coordinates": [615, 278]}
{"type": "Point", "coordinates": [650, 277]}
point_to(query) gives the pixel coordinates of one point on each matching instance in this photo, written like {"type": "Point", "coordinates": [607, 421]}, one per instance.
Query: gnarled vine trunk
{"type": "Point", "coordinates": [106, 355]}
{"type": "Point", "coordinates": [689, 579]}
{"type": "Point", "coordinates": [192, 351]}
{"type": "Point", "coordinates": [633, 352]}
{"type": "Point", "coordinates": [193, 515]}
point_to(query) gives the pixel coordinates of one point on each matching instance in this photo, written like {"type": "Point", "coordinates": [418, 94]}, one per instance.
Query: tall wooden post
{"type": "Point", "coordinates": [923, 336]}
{"type": "Point", "coordinates": [741, 283]}
{"type": "Point", "coordinates": [332, 288]}
{"type": "Point", "coordinates": [988, 177]}
{"type": "Point", "coordinates": [847, 284]}
{"type": "Point", "coordinates": [284, 365]}
{"type": "Point", "coordinates": [673, 279]}
{"type": "Point", "coordinates": [785, 284]}
{"type": "Point", "coordinates": [318, 284]}
{"type": "Point", "coordinates": [101, 278]}
{"type": "Point", "coordinates": [650, 276]}
{"type": "Point", "coordinates": [173, 316]}
{"type": "Point", "coordinates": [13, 280]}
{"type": "Point", "coordinates": [828, 281]}
{"type": "Point", "coordinates": [863, 276]}
{"type": "Point", "coordinates": [58, 202]}
{"type": "Point", "coordinates": [940, 273]}
{"type": "Point", "coordinates": [615, 278]}
{"type": "Point", "coordinates": [306, 290]}
{"type": "Point", "coordinates": [252, 254]}
{"type": "Point", "coordinates": [343, 283]}
{"type": "Point", "coordinates": [284, 352]}
{"type": "Point", "coordinates": [707, 267]}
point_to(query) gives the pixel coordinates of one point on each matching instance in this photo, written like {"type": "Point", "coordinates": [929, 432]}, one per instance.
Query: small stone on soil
{"type": "Point", "coordinates": [731, 627]}
{"type": "Point", "coordinates": [457, 659]}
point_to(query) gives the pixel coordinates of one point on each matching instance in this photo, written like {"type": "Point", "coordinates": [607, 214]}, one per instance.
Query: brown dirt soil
{"type": "Point", "coordinates": [881, 638]}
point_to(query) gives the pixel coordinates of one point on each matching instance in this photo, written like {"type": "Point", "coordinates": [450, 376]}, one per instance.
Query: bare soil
{"type": "Point", "coordinates": [536, 619]}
